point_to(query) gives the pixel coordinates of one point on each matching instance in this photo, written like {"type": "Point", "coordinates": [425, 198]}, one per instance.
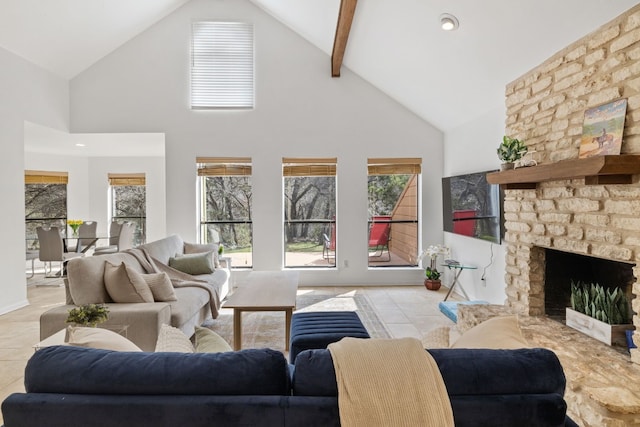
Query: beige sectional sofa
{"type": "Point", "coordinates": [196, 301]}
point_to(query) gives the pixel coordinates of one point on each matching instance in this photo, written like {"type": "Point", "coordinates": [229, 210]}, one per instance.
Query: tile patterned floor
{"type": "Point", "coordinates": [405, 311]}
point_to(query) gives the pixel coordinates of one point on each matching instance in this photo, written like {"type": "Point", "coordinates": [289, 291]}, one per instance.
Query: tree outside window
{"type": "Point", "coordinates": [309, 212]}
{"type": "Point", "coordinates": [225, 207]}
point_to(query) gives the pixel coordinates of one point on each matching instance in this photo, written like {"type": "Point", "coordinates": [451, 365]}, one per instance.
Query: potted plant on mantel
{"type": "Point", "coordinates": [432, 280]}
{"type": "Point", "coordinates": [603, 314]}
{"type": "Point", "coordinates": [510, 150]}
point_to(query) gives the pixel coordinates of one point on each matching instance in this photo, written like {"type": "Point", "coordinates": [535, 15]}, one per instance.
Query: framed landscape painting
{"type": "Point", "coordinates": [602, 129]}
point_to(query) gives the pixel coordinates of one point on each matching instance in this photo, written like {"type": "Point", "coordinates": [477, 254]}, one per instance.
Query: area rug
{"type": "Point", "coordinates": [267, 330]}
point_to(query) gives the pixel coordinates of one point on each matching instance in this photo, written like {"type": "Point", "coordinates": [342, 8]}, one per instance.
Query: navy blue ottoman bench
{"type": "Point", "coordinates": [318, 329]}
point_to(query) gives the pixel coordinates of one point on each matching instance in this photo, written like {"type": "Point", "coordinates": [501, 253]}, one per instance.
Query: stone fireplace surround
{"type": "Point", "coordinates": [545, 108]}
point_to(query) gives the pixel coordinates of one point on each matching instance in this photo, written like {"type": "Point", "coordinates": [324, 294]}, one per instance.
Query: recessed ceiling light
{"type": "Point", "coordinates": [448, 22]}
{"type": "Point", "coordinates": [80, 145]}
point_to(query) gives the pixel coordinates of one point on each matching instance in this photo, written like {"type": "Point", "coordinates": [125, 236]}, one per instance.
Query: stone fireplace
{"type": "Point", "coordinates": [574, 212]}
{"type": "Point", "coordinates": [586, 207]}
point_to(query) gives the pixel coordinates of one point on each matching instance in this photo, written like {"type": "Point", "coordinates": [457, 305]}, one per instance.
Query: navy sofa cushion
{"type": "Point", "coordinates": [68, 369]}
{"type": "Point", "coordinates": [464, 371]}
{"type": "Point", "coordinates": [492, 388]}
{"type": "Point", "coordinates": [318, 329]}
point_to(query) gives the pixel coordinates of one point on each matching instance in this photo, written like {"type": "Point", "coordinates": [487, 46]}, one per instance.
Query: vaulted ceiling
{"type": "Point", "coordinates": [447, 78]}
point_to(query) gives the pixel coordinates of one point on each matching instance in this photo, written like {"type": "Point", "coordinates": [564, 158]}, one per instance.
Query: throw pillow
{"type": "Point", "coordinates": [124, 284]}
{"type": "Point", "coordinates": [173, 340]}
{"type": "Point", "coordinates": [196, 248]}
{"type": "Point", "coordinates": [496, 333]}
{"type": "Point", "coordinates": [161, 287]}
{"type": "Point", "coordinates": [208, 341]}
{"type": "Point", "coordinates": [199, 263]}
{"type": "Point", "coordinates": [98, 338]}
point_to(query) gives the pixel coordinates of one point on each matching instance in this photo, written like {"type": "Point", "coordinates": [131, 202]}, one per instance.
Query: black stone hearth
{"type": "Point", "coordinates": [563, 267]}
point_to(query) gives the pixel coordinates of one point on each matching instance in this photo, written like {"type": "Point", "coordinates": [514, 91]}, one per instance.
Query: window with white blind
{"type": "Point", "coordinates": [222, 65]}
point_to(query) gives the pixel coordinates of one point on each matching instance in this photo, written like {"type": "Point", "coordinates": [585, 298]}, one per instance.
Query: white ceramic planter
{"type": "Point", "coordinates": [608, 334]}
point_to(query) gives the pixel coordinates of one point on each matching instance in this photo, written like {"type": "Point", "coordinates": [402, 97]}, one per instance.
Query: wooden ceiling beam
{"type": "Point", "coordinates": [345, 17]}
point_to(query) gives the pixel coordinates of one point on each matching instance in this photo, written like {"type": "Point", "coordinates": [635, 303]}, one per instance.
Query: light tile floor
{"type": "Point", "coordinates": [405, 311]}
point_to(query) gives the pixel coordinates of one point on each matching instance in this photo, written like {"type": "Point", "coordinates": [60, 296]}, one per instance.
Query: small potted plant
{"type": "Point", "coordinates": [432, 280]}
{"type": "Point", "coordinates": [88, 315]}
{"type": "Point", "coordinates": [511, 150]}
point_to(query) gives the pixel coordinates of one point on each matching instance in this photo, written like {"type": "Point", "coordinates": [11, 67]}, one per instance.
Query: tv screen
{"type": "Point", "coordinates": [472, 207]}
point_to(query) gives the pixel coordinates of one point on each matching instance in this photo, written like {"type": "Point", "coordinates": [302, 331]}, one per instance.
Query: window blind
{"type": "Point", "coordinates": [309, 166]}
{"type": "Point", "coordinates": [127, 179]}
{"type": "Point", "coordinates": [394, 166]}
{"type": "Point", "coordinates": [222, 65]}
{"type": "Point", "coordinates": [45, 177]}
{"type": "Point", "coordinates": [224, 166]}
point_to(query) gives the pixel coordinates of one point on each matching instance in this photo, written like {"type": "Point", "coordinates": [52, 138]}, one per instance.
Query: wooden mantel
{"type": "Point", "coordinates": [596, 170]}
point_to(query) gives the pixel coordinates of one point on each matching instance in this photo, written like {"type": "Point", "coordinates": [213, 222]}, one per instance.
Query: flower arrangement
{"type": "Point", "coordinates": [74, 224]}
{"type": "Point", "coordinates": [432, 253]}
{"type": "Point", "coordinates": [88, 314]}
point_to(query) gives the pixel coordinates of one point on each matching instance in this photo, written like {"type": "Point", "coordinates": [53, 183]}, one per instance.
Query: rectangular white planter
{"type": "Point", "coordinates": [608, 334]}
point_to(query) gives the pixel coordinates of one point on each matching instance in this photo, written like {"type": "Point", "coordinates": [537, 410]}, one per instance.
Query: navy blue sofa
{"type": "Point", "coordinates": [73, 386]}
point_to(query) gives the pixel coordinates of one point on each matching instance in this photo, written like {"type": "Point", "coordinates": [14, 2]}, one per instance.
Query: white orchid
{"type": "Point", "coordinates": [432, 253]}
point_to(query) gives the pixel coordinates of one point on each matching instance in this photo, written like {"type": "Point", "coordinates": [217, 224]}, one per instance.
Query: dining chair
{"type": "Point", "coordinates": [32, 256]}
{"type": "Point", "coordinates": [87, 234]}
{"type": "Point", "coordinates": [52, 250]}
{"type": "Point", "coordinates": [114, 235]}
{"type": "Point", "coordinates": [120, 242]}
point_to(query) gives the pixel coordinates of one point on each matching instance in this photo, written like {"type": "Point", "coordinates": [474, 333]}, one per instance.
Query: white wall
{"type": "Point", "coordinates": [472, 148]}
{"type": "Point", "coordinates": [300, 111]}
{"type": "Point", "coordinates": [28, 93]}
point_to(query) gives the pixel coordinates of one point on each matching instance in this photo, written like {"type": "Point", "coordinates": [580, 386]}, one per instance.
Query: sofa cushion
{"type": "Point", "coordinates": [198, 263]}
{"type": "Point", "coordinates": [498, 333]}
{"type": "Point", "coordinates": [190, 301]}
{"type": "Point", "coordinates": [76, 370]}
{"type": "Point", "coordinates": [98, 338]}
{"type": "Point", "coordinates": [208, 341]}
{"type": "Point", "coordinates": [124, 284]}
{"type": "Point", "coordinates": [196, 248]}
{"type": "Point", "coordinates": [86, 277]}
{"type": "Point", "coordinates": [160, 286]}
{"type": "Point", "coordinates": [165, 248]}
{"type": "Point", "coordinates": [464, 371]}
{"type": "Point", "coordinates": [173, 340]}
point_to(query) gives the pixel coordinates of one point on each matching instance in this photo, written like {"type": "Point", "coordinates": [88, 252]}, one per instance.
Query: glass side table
{"type": "Point", "coordinates": [459, 268]}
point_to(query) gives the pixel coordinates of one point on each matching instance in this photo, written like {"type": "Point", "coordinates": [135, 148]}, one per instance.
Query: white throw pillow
{"type": "Point", "coordinates": [98, 338]}
{"type": "Point", "coordinates": [173, 340]}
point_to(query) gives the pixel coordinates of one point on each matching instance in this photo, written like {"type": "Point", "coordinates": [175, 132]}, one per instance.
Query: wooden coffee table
{"type": "Point", "coordinates": [263, 291]}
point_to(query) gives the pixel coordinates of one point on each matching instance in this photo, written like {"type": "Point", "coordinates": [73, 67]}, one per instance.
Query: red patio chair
{"type": "Point", "coordinates": [379, 235]}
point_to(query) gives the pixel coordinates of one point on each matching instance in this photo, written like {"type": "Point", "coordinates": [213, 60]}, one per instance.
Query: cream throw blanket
{"type": "Point", "coordinates": [389, 382]}
{"type": "Point", "coordinates": [178, 278]}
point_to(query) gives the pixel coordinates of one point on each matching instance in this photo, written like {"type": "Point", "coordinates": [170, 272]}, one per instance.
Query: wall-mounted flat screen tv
{"type": "Point", "coordinates": [473, 207]}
